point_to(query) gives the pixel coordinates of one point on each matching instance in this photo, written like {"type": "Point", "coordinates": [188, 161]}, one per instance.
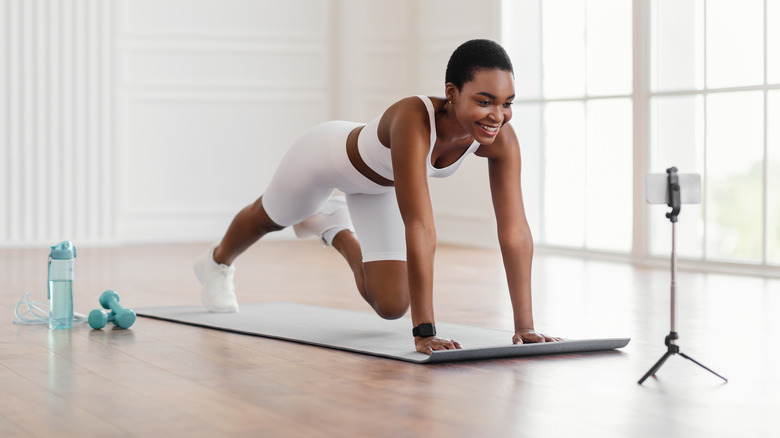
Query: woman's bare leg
{"type": "Point", "coordinates": [383, 284]}
{"type": "Point", "coordinates": [249, 225]}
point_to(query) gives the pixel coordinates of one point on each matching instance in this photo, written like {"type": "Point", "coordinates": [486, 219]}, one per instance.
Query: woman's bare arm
{"type": "Point", "coordinates": [514, 234]}
{"type": "Point", "coordinates": [408, 125]}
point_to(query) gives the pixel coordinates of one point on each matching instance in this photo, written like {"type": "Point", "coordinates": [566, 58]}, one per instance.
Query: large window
{"type": "Point", "coordinates": [708, 101]}
{"type": "Point", "coordinates": [573, 114]}
{"type": "Point", "coordinates": [714, 75]}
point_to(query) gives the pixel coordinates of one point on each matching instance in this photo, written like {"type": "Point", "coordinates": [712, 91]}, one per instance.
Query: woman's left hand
{"type": "Point", "coordinates": [530, 336]}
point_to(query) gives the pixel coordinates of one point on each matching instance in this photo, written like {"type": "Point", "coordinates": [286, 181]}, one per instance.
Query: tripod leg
{"type": "Point", "coordinates": [699, 364]}
{"type": "Point", "coordinates": [655, 367]}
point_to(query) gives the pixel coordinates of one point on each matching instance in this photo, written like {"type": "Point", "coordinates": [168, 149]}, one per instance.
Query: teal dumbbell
{"type": "Point", "coordinates": [98, 319]}
{"type": "Point", "coordinates": [120, 316]}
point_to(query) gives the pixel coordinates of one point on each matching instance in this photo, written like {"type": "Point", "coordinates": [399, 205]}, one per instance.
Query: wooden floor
{"type": "Point", "coordinates": [164, 379]}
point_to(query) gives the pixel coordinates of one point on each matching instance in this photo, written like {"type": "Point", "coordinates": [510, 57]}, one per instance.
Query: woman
{"type": "Point", "coordinates": [383, 169]}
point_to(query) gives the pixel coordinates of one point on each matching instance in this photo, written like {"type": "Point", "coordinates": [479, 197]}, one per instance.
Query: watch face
{"type": "Point", "coordinates": [424, 330]}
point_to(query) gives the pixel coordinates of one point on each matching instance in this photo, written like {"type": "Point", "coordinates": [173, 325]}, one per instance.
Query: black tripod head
{"type": "Point", "coordinates": [673, 186]}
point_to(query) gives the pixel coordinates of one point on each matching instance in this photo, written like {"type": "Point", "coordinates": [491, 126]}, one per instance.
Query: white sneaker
{"type": "Point", "coordinates": [219, 292]}
{"type": "Point", "coordinates": [333, 214]}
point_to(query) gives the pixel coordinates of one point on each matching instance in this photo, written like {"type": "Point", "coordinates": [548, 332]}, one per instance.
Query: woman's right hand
{"type": "Point", "coordinates": [427, 345]}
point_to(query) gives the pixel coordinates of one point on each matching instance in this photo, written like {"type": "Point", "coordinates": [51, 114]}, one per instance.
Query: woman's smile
{"type": "Point", "coordinates": [490, 130]}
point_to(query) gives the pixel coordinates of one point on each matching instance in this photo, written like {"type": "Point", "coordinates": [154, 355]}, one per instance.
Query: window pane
{"type": "Point", "coordinates": [563, 53]}
{"type": "Point", "coordinates": [522, 42]}
{"type": "Point", "coordinates": [609, 167]}
{"type": "Point", "coordinates": [527, 122]}
{"type": "Point", "coordinates": [676, 45]}
{"type": "Point", "coordinates": [677, 139]}
{"type": "Point", "coordinates": [773, 40]}
{"type": "Point", "coordinates": [609, 47]}
{"type": "Point", "coordinates": [735, 43]}
{"type": "Point", "coordinates": [734, 190]}
{"type": "Point", "coordinates": [564, 174]}
{"type": "Point", "coordinates": [773, 179]}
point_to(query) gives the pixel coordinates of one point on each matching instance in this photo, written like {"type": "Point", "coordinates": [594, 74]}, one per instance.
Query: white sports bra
{"type": "Point", "coordinates": [377, 156]}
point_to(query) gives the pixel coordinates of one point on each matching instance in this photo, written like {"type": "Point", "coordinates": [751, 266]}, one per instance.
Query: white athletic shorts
{"type": "Point", "coordinates": [313, 168]}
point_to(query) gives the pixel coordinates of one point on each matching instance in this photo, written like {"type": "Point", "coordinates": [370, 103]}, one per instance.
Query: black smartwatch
{"type": "Point", "coordinates": [424, 330]}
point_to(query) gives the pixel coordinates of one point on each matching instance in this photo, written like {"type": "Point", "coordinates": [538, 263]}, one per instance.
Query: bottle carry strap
{"type": "Point", "coordinates": [28, 312]}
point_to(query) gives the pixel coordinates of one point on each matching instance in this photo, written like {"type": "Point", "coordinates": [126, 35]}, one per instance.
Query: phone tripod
{"type": "Point", "coordinates": [673, 187]}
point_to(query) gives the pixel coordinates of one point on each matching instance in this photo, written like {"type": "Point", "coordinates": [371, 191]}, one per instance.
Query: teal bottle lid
{"type": "Point", "coordinates": [63, 251]}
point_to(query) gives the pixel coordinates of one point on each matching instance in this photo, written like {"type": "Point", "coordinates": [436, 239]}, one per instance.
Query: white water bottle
{"type": "Point", "coordinates": [61, 261]}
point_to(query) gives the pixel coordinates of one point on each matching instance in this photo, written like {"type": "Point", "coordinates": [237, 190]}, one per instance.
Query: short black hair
{"type": "Point", "coordinates": [475, 55]}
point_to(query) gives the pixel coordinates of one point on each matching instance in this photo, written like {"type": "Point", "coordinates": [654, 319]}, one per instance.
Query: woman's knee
{"type": "Point", "coordinates": [387, 288]}
{"type": "Point", "coordinates": [260, 218]}
{"type": "Point", "coordinates": [392, 308]}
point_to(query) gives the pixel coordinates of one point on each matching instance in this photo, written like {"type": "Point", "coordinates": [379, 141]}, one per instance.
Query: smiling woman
{"type": "Point", "coordinates": [383, 167]}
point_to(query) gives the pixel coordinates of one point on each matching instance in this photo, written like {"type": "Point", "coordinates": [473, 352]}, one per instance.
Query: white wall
{"type": "Point", "coordinates": [157, 120]}
{"type": "Point", "coordinates": [209, 94]}
{"type": "Point", "coordinates": [462, 203]}
{"type": "Point", "coordinates": [56, 121]}
{"type": "Point", "coordinates": [375, 56]}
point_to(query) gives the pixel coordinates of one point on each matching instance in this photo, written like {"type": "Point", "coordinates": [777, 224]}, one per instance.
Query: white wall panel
{"type": "Point", "coordinates": [376, 56]}
{"type": "Point", "coordinates": [385, 69]}
{"type": "Point", "coordinates": [211, 94]}
{"type": "Point", "coordinates": [454, 19]}
{"type": "Point", "coordinates": [462, 203]}
{"type": "Point", "coordinates": [283, 20]}
{"type": "Point", "coordinates": [244, 65]}
{"type": "Point", "coordinates": [56, 113]}
{"type": "Point", "coordinates": [432, 65]}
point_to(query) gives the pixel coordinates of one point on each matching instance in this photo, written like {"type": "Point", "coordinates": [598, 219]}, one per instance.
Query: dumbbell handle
{"type": "Point", "coordinates": [98, 318]}
{"type": "Point", "coordinates": [110, 300]}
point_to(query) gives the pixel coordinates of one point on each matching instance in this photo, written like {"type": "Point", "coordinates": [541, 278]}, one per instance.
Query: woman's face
{"type": "Point", "coordinates": [484, 104]}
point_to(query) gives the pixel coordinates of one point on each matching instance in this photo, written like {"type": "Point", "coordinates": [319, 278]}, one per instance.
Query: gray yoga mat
{"type": "Point", "coordinates": [366, 333]}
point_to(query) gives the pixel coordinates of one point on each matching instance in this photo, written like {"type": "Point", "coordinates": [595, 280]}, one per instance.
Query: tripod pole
{"type": "Point", "coordinates": [674, 272]}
